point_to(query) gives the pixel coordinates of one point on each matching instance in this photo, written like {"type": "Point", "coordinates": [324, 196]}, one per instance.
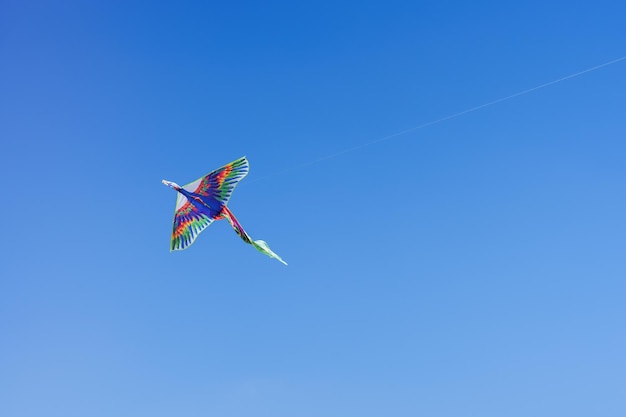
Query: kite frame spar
{"type": "Point", "coordinates": [204, 200]}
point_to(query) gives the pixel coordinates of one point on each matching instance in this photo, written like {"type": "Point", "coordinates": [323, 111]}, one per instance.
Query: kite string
{"type": "Point", "coordinates": [440, 120]}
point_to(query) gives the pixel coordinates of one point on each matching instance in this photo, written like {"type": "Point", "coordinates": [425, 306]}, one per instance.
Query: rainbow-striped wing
{"type": "Point", "coordinates": [188, 223]}
{"type": "Point", "coordinates": [219, 184]}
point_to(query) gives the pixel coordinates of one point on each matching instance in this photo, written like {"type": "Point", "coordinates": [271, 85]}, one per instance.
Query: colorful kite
{"type": "Point", "coordinates": [204, 200]}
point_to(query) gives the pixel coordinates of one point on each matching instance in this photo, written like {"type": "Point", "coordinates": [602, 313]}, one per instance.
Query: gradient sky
{"type": "Point", "coordinates": [475, 267]}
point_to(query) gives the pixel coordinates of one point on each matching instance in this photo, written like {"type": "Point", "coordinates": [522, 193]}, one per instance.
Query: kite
{"type": "Point", "coordinates": [204, 200]}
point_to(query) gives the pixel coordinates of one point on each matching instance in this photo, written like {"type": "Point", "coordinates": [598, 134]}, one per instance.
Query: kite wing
{"type": "Point", "coordinates": [219, 184]}
{"type": "Point", "coordinates": [188, 223]}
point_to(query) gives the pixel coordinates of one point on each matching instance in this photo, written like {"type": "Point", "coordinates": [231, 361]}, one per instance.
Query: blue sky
{"type": "Point", "coordinates": [470, 268]}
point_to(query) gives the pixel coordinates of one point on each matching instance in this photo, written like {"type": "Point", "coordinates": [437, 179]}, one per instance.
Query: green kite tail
{"type": "Point", "coordinates": [263, 247]}
{"type": "Point", "coordinates": [259, 245]}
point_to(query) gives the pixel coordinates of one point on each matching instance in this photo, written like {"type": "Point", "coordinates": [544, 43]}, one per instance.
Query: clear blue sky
{"type": "Point", "coordinates": [475, 267]}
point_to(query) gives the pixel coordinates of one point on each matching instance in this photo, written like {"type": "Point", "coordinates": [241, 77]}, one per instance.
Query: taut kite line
{"type": "Point", "coordinates": [443, 119]}
{"type": "Point", "coordinates": [204, 200]}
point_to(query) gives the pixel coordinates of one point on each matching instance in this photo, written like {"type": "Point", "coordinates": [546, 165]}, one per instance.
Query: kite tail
{"type": "Point", "coordinates": [259, 245]}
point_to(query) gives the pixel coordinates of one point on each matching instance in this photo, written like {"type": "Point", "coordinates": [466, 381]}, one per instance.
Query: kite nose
{"type": "Point", "coordinates": [171, 184]}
